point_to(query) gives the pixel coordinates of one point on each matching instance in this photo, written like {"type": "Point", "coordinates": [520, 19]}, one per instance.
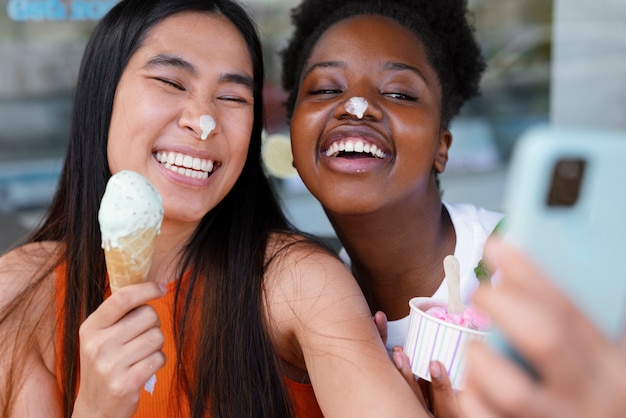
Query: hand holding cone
{"type": "Point", "coordinates": [130, 216]}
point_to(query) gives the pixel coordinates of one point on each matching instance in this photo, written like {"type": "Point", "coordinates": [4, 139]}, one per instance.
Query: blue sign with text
{"type": "Point", "coordinates": [36, 10]}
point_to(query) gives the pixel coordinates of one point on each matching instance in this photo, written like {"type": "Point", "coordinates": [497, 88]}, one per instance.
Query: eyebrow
{"type": "Point", "coordinates": [399, 66]}
{"type": "Point", "coordinates": [323, 64]}
{"type": "Point", "coordinates": [238, 78]}
{"type": "Point", "coordinates": [388, 66]}
{"type": "Point", "coordinates": [166, 60]}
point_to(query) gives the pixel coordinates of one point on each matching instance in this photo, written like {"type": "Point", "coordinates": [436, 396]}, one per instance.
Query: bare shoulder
{"type": "Point", "coordinates": [307, 286]}
{"type": "Point", "coordinates": [23, 266]}
{"type": "Point", "coordinates": [308, 292]}
{"type": "Point", "coordinates": [27, 316]}
{"type": "Point", "coordinates": [302, 267]}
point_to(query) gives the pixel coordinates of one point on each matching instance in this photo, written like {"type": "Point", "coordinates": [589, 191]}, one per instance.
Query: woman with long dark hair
{"type": "Point", "coordinates": [241, 316]}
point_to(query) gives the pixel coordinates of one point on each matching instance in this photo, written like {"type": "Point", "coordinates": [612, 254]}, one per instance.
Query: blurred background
{"type": "Point", "coordinates": [558, 61]}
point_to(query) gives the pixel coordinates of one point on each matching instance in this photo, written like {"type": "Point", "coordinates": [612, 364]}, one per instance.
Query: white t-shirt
{"type": "Point", "coordinates": [472, 226]}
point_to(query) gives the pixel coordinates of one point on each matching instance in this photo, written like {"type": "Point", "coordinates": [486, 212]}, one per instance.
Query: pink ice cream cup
{"type": "Point", "coordinates": [430, 338]}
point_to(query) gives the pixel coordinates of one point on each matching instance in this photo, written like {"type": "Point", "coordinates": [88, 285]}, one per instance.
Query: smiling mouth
{"type": "Point", "coordinates": [354, 148]}
{"type": "Point", "coordinates": [186, 165]}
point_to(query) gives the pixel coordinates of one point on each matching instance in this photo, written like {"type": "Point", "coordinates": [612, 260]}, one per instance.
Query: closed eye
{"type": "Point", "coordinates": [171, 83]}
{"type": "Point", "coordinates": [324, 92]}
{"type": "Point", "coordinates": [234, 99]}
{"type": "Point", "coordinates": [401, 96]}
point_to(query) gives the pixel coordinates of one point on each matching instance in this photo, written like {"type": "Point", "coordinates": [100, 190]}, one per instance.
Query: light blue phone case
{"type": "Point", "coordinates": [583, 246]}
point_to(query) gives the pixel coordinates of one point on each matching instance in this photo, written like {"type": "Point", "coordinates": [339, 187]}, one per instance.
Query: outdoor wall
{"type": "Point", "coordinates": [589, 64]}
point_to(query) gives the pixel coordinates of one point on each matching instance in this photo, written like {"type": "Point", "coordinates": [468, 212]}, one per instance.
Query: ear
{"type": "Point", "coordinates": [444, 143]}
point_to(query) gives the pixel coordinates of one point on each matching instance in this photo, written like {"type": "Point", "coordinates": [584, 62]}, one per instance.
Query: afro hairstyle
{"type": "Point", "coordinates": [445, 28]}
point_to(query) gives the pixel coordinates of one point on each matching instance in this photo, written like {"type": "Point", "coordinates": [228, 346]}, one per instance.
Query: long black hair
{"type": "Point", "coordinates": [234, 371]}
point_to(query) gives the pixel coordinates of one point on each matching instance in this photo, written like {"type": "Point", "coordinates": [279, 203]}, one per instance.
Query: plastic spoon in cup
{"type": "Point", "coordinates": [453, 278]}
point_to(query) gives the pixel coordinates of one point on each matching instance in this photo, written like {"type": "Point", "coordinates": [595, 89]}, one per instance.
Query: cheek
{"type": "Point", "coordinates": [296, 123]}
{"type": "Point", "coordinates": [133, 111]}
{"type": "Point", "coordinates": [421, 137]}
{"type": "Point", "coordinates": [303, 153]}
{"type": "Point", "coordinates": [118, 132]}
{"type": "Point", "coordinates": [238, 136]}
{"type": "Point", "coordinates": [304, 131]}
{"type": "Point", "coordinates": [133, 126]}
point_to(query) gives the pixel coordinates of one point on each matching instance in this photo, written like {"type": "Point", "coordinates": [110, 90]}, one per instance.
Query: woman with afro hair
{"type": "Point", "coordinates": [373, 87]}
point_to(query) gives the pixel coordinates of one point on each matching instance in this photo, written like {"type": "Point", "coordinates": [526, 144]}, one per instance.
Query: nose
{"type": "Point", "coordinates": [197, 117]}
{"type": "Point", "coordinates": [358, 107]}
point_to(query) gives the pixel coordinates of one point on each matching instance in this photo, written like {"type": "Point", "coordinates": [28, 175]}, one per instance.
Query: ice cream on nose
{"type": "Point", "coordinates": [207, 124]}
{"type": "Point", "coordinates": [356, 106]}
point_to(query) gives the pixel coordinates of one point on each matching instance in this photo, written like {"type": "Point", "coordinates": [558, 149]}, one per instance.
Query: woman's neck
{"type": "Point", "coordinates": [168, 250]}
{"type": "Point", "coordinates": [397, 252]}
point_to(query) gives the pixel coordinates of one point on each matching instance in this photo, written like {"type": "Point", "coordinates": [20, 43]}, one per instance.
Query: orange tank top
{"type": "Point", "coordinates": [163, 398]}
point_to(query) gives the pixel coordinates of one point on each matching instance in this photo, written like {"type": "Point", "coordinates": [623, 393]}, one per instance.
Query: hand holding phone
{"type": "Point", "coordinates": [565, 208]}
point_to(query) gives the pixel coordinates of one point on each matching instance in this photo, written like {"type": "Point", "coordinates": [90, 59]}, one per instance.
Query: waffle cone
{"type": "Point", "coordinates": [129, 262]}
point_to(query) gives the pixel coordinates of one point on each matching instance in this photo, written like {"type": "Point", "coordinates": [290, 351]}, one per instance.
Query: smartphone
{"type": "Point", "coordinates": [565, 207]}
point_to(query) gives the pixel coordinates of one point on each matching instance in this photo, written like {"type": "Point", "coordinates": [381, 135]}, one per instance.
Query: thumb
{"type": "Point", "coordinates": [380, 319]}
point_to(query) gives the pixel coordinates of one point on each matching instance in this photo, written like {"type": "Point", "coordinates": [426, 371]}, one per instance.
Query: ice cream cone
{"type": "Point", "coordinates": [130, 260]}
{"type": "Point", "coordinates": [130, 215]}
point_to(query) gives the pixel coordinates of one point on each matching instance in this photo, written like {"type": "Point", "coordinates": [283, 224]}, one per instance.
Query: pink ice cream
{"type": "Point", "coordinates": [469, 318]}
{"type": "Point", "coordinates": [435, 334]}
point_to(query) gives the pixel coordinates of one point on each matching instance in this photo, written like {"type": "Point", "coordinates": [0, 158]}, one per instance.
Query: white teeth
{"type": "Point", "coordinates": [207, 165]}
{"type": "Point", "coordinates": [185, 164]}
{"type": "Point", "coordinates": [350, 145]}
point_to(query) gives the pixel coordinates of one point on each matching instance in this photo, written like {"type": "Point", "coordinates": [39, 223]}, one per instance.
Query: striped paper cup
{"type": "Point", "coordinates": [430, 338]}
